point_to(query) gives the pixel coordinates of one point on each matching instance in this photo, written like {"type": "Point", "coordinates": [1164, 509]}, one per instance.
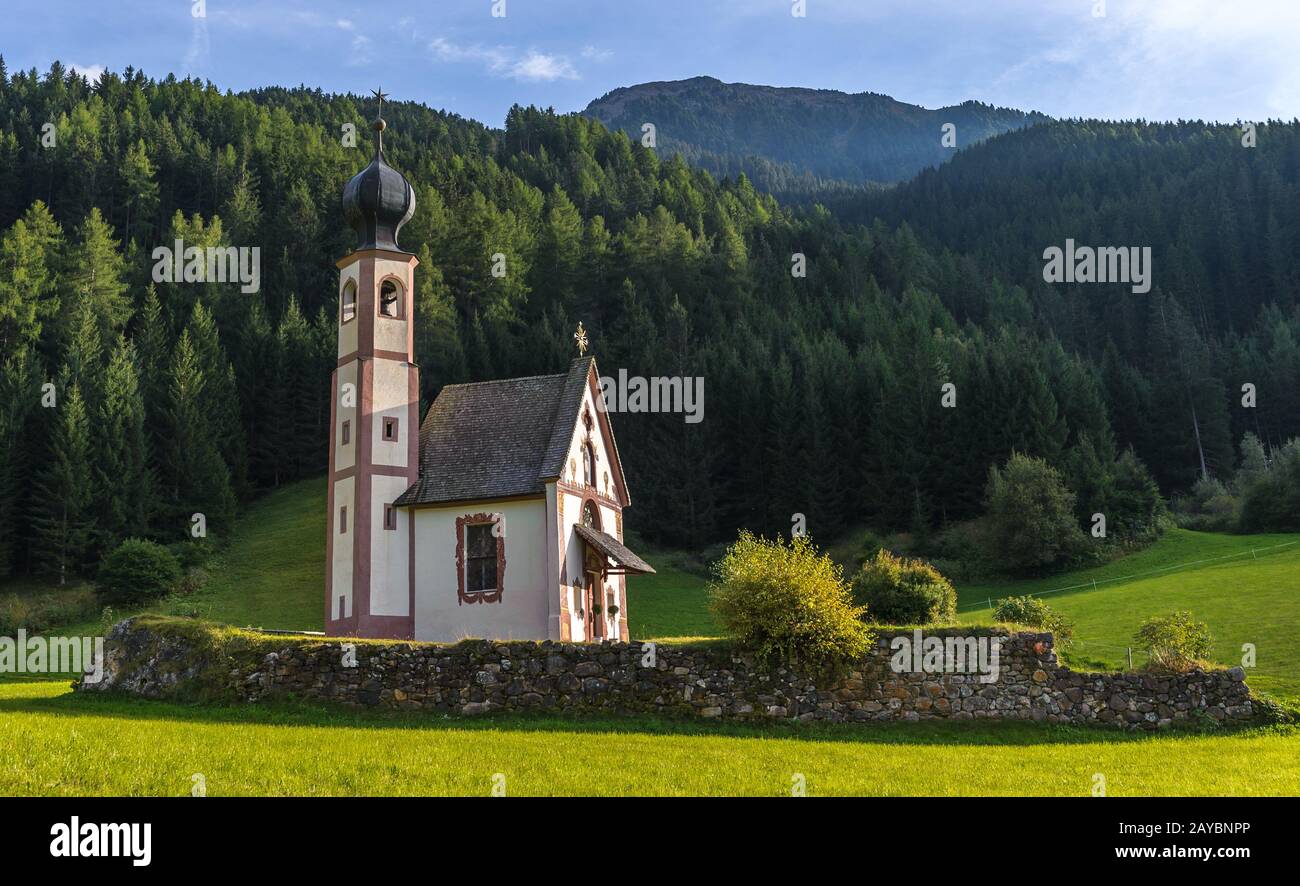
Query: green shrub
{"type": "Point", "coordinates": [1034, 613]}
{"type": "Point", "coordinates": [1271, 503]}
{"type": "Point", "coordinates": [1208, 507]}
{"type": "Point", "coordinates": [137, 571]}
{"type": "Point", "coordinates": [15, 613]}
{"type": "Point", "coordinates": [960, 550]}
{"type": "Point", "coordinates": [787, 602]}
{"type": "Point", "coordinates": [1174, 642]}
{"type": "Point", "coordinates": [42, 612]}
{"type": "Point", "coordinates": [1134, 509]}
{"type": "Point", "coordinates": [1031, 519]}
{"type": "Point", "coordinates": [896, 590]}
{"type": "Point", "coordinates": [193, 552]}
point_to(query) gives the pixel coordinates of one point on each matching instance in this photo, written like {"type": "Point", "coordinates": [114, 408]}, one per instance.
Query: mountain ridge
{"type": "Point", "coordinates": [795, 138]}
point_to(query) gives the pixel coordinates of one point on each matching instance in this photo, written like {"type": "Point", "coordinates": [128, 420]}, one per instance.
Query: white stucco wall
{"type": "Point", "coordinates": [573, 546]}
{"type": "Point", "coordinates": [573, 462]}
{"type": "Point", "coordinates": [524, 610]}
{"type": "Point", "coordinates": [390, 567]}
{"type": "Point", "coordinates": [390, 393]}
{"type": "Point", "coordinates": [342, 547]}
{"type": "Point", "coordinates": [346, 456]}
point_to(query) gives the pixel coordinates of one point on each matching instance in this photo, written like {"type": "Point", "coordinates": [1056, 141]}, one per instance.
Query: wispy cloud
{"type": "Point", "coordinates": [90, 72]}
{"type": "Point", "coordinates": [504, 61]}
{"type": "Point", "coordinates": [1163, 59]}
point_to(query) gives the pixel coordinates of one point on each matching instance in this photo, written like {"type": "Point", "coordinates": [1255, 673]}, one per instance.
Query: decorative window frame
{"type": "Point", "coordinates": [463, 596]}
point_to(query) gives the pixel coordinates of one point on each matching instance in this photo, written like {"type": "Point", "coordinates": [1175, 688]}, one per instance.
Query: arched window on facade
{"type": "Point", "coordinates": [348, 302]}
{"type": "Point", "coordinates": [588, 464]}
{"type": "Point", "coordinates": [390, 299]}
{"type": "Point", "coordinates": [590, 516]}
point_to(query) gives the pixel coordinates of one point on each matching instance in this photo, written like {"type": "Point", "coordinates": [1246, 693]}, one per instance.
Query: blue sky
{"type": "Point", "coordinates": [1158, 59]}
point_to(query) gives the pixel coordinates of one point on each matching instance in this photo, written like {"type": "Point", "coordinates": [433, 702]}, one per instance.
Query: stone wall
{"type": "Point", "coordinates": [156, 658]}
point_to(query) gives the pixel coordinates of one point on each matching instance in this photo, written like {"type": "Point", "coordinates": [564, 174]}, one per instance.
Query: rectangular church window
{"type": "Point", "coordinates": [480, 558]}
{"type": "Point", "coordinates": [390, 517]}
{"type": "Point", "coordinates": [343, 519]}
{"type": "Point", "coordinates": [347, 432]}
{"type": "Point", "coordinates": [390, 429]}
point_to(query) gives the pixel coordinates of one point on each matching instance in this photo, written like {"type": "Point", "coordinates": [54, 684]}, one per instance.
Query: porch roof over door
{"type": "Point", "coordinates": [612, 548]}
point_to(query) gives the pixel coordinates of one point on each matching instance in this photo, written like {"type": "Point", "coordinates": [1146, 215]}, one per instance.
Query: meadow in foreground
{"type": "Point", "coordinates": [56, 742]}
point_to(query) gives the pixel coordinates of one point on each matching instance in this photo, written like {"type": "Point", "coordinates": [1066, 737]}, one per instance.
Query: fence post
{"type": "Point", "coordinates": [990, 604]}
{"type": "Point", "coordinates": [1252, 554]}
{"type": "Point", "coordinates": [1094, 584]}
{"type": "Point", "coordinates": [1130, 658]}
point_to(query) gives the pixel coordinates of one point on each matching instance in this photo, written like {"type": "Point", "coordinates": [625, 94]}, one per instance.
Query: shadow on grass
{"type": "Point", "coordinates": [304, 714]}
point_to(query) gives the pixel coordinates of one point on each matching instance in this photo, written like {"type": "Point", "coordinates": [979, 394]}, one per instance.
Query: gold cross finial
{"type": "Point", "coordinates": [581, 338]}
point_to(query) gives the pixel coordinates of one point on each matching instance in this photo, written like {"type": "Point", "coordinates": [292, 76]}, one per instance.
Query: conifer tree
{"type": "Point", "coordinates": [194, 477]}
{"type": "Point", "coordinates": [95, 276]}
{"type": "Point", "coordinates": [140, 192]}
{"type": "Point", "coordinates": [220, 396]}
{"type": "Point", "coordinates": [63, 520]}
{"type": "Point", "coordinates": [26, 278]}
{"type": "Point", "coordinates": [124, 483]}
{"type": "Point", "coordinates": [83, 359]}
{"type": "Point", "coordinates": [438, 347]}
{"type": "Point", "coordinates": [19, 393]}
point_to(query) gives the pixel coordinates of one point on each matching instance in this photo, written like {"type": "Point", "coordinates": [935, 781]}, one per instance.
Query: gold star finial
{"type": "Point", "coordinates": [581, 338]}
{"type": "Point", "coordinates": [381, 95]}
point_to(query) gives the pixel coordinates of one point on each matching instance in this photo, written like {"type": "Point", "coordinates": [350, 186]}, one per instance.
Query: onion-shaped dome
{"type": "Point", "coordinates": [378, 200]}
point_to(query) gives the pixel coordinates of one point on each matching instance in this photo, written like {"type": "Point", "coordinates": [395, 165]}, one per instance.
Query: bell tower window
{"type": "Point", "coordinates": [348, 303]}
{"type": "Point", "coordinates": [390, 299]}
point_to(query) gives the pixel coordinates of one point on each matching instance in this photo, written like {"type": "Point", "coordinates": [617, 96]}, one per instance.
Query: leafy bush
{"type": "Point", "coordinates": [960, 550]}
{"type": "Point", "coordinates": [1031, 520]}
{"type": "Point", "coordinates": [194, 552]}
{"type": "Point", "coordinates": [1272, 502]}
{"type": "Point", "coordinates": [1208, 507]}
{"type": "Point", "coordinates": [1174, 642]}
{"type": "Point", "coordinates": [787, 602]}
{"type": "Point", "coordinates": [41, 612]}
{"type": "Point", "coordinates": [137, 571]}
{"type": "Point", "coordinates": [1034, 613]}
{"type": "Point", "coordinates": [896, 590]}
{"type": "Point", "coordinates": [1134, 509]}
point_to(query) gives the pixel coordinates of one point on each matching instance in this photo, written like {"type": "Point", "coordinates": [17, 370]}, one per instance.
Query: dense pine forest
{"type": "Point", "coordinates": [127, 405]}
{"type": "Point", "coordinates": [1223, 222]}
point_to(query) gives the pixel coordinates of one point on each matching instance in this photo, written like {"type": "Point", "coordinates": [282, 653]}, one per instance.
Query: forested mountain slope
{"type": "Point", "coordinates": [791, 140]}
{"type": "Point", "coordinates": [1222, 221]}
{"type": "Point", "coordinates": [822, 393]}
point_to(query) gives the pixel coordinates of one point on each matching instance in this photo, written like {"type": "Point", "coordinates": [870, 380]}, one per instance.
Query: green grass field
{"type": "Point", "coordinates": [58, 743]}
{"type": "Point", "coordinates": [1246, 588]}
{"type": "Point", "coordinates": [270, 575]}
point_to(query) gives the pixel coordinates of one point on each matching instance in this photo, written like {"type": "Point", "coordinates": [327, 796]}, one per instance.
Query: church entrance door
{"type": "Point", "coordinates": [595, 609]}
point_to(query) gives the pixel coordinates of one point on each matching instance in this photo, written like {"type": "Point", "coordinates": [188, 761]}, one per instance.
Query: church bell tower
{"type": "Point", "coordinates": [374, 413]}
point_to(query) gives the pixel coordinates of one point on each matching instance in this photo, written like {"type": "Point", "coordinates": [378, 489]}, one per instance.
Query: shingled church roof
{"type": "Point", "coordinates": [496, 439]}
